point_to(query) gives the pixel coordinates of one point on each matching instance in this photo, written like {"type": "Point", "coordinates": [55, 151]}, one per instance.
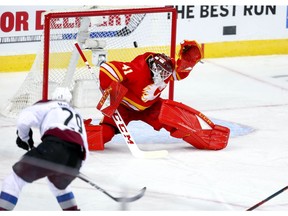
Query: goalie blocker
{"type": "Point", "coordinates": [112, 97]}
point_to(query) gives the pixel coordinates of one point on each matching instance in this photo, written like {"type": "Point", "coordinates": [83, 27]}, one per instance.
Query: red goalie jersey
{"type": "Point", "coordinates": [136, 76]}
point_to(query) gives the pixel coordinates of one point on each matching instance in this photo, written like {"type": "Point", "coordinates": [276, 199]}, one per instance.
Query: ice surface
{"type": "Point", "coordinates": [247, 94]}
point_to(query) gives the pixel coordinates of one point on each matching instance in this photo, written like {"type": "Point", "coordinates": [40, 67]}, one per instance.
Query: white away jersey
{"type": "Point", "coordinates": [51, 116]}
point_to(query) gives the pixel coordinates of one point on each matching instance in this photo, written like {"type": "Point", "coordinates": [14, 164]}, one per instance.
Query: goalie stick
{"type": "Point", "coordinates": [136, 152]}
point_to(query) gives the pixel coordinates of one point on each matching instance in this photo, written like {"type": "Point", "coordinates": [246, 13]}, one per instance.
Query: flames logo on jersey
{"type": "Point", "coordinates": [152, 91]}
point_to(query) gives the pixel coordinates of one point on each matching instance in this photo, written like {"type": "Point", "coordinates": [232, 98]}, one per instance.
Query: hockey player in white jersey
{"type": "Point", "coordinates": [58, 157]}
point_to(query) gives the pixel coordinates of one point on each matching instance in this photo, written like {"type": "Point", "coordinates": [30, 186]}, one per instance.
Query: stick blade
{"type": "Point", "coordinates": [138, 153]}
{"type": "Point", "coordinates": [151, 154]}
{"type": "Point", "coordinates": [133, 198]}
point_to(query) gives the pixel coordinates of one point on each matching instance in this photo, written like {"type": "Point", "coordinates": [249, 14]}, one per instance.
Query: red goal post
{"type": "Point", "coordinates": [118, 34]}
{"type": "Point", "coordinates": [52, 15]}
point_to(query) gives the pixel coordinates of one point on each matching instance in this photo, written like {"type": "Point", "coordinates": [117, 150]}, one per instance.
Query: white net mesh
{"type": "Point", "coordinates": [125, 37]}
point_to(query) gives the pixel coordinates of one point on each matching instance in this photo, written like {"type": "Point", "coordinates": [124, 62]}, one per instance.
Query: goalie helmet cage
{"type": "Point", "coordinates": [119, 33]}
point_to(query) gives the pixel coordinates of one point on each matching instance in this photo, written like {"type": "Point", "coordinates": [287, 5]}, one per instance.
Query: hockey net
{"type": "Point", "coordinates": [112, 34]}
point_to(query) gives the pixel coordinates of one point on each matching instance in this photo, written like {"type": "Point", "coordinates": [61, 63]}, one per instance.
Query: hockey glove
{"type": "Point", "coordinates": [189, 55]}
{"type": "Point", "coordinates": [114, 94]}
{"type": "Point", "coordinates": [25, 145]}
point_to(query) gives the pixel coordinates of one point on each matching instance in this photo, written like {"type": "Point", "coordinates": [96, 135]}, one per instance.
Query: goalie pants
{"type": "Point", "coordinates": [149, 116]}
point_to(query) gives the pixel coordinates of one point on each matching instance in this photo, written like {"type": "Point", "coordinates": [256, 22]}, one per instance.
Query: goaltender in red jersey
{"type": "Point", "coordinates": [144, 79]}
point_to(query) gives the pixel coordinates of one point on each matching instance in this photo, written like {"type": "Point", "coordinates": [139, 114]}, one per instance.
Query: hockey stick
{"type": "Point", "coordinates": [136, 152]}
{"type": "Point", "coordinates": [267, 199]}
{"type": "Point", "coordinates": [62, 169]}
{"type": "Point", "coordinates": [117, 199]}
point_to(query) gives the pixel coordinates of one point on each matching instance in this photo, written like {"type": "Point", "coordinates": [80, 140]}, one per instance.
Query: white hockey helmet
{"type": "Point", "coordinates": [161, 66]}
{"type": "Point", "coordinates": [62, 94]}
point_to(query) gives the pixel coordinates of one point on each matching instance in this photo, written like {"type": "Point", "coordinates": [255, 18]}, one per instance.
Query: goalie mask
{"type": "Point", "coordinates": [161, 66]}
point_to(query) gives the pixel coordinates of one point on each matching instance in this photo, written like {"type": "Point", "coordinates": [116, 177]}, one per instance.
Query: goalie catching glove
{"type": "Point", "coordinates": [25, 145]}
{"type": "Point", "coordinates": [189, 55]}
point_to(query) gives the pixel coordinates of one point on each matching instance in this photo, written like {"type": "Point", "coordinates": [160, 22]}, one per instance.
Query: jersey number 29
{"type": "Point", "coordinates": [72, 115]}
